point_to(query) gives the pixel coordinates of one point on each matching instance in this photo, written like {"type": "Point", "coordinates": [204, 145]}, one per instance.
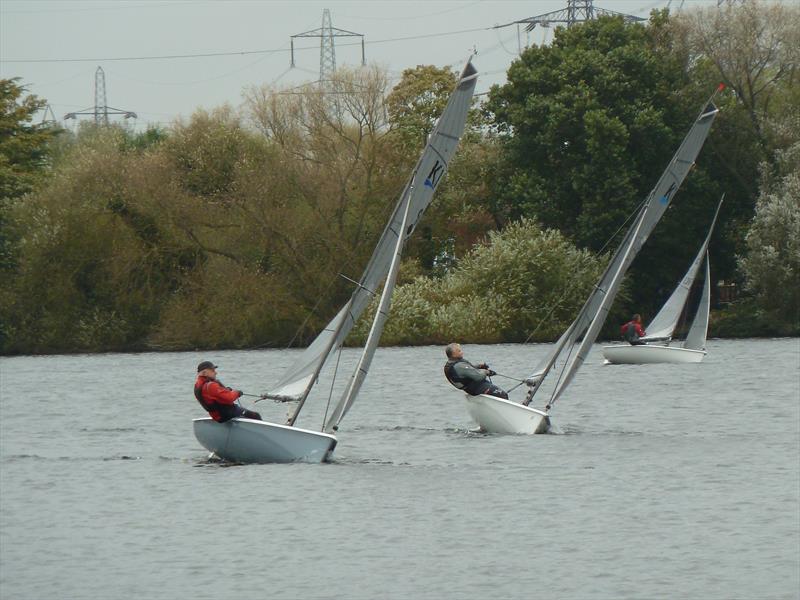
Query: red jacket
{"type": "Point", "coordinates": [637, 326]}
{"type": "Point", "coordinates": [214, 397]}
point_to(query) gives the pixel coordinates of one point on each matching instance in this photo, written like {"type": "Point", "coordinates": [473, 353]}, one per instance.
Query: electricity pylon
{"type": "Point", "coordinates": [100, 110]}
{"type": "Point", "coordinates": [577, 11]}
{"type": "Point", "coordinates": [327, 50]}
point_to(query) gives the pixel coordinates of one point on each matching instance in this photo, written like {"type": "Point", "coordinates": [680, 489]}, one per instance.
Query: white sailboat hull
{"type": "Point", "coordinates": [647, 354]}
{"type": "Point", "coordinates": [496, 415]}
{"type": "Point", "coordinates": [251, 441]}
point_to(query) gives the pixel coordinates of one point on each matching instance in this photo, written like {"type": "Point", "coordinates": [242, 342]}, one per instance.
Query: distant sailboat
{"type": "Point", "coordinates": [248, 440]}
{"type": "Point", "coordinates": [662, 327]}
{"type": "Point", "coordinates": [496, 415]}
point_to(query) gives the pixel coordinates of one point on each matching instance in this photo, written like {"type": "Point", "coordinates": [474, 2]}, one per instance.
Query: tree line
{"type": "Point", "coordinates": [240, 227]}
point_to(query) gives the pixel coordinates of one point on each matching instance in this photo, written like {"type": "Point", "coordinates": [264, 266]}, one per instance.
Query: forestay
{"type": "Point", "coordinates": [296, 383]}
{"type": "Point", "coordinates": [664, 323]}
{"type": "Point", "coordinates": [600, 299]}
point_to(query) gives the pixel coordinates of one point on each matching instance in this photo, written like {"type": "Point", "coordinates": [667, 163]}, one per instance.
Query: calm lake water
{"type": "Point", "coordinates": [662, 481]}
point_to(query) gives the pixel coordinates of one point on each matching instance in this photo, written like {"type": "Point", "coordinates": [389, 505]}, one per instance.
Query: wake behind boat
{"type": "Point", "coordinates": [496, 415]}
{"type": "Point", "coordinates": [252, 441]}
{"type": "Point", "coordinates": [663, 326]}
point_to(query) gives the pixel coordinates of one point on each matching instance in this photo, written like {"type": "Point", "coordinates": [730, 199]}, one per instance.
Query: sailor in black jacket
{"type": "Point", "coordinates": [473, 379]}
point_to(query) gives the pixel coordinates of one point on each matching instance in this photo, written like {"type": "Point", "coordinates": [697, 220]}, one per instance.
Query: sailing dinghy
{"type": "Point", "coordinates": [662, 327]}
{"type": "Point", "coordinates": [496, 415]}
{"type": "Point", "coordinates": [252, 441]}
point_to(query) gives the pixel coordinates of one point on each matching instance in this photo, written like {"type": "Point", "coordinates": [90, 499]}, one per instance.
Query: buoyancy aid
{"type": "Point", "coordinates": [218, 411]}
{"type": "Point", "coordinates": [632, 331]}
{"type": "Point", "coordinates": [471, 386]}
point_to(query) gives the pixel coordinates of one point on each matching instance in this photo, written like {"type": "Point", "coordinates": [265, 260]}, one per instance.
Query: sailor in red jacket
{"type": "Point", "coordinates": [633, 330]}
{"type": "Point", "coordinates": [218, 400]}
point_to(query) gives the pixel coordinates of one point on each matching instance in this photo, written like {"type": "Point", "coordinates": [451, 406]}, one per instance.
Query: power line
{"type": "Point", "coordinates": [163, 57]}
{"type": "Point", "coordinates": [237, 53]}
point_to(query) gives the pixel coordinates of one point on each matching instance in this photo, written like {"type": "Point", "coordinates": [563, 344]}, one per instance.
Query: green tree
{"type": "Point", "coordinates": [522, 283]}
{"type": "Point", "coordinates": [589, 124]}
{"type": "Point", "coordinates": [754, 48]}
{"type": "Point", "coordinates": [333, 180]}
{"type": "Point", "coordinates": [24, 161]}
{"type": "Point", "coordinates": [96, 262]}
{"type": "Point", "coordinates": [460, 213]}
{"type": "Point", "coordinates": [24, 154]}
{"type": "Point", "coordinates": [206, 151]}
{"type": "Point", "coordinates": [772, 263]}
{"type": "Point", "coordinates": [416, 102]}
{"type": "Point", "coordinates": [23, 144]}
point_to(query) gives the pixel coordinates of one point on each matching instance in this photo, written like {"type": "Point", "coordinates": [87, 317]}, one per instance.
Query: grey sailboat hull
{"type": "Point", "coordinates": [250, 441]}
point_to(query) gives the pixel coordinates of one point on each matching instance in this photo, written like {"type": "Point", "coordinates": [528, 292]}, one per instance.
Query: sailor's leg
{"type": "Point", "coordinates": [497, 392]}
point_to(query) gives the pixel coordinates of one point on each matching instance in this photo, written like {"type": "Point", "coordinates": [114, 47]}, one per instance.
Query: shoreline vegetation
{"type": "Point", "coordinates": [135, 350]}
{"type": "Point", "coordinates": [239, 227]}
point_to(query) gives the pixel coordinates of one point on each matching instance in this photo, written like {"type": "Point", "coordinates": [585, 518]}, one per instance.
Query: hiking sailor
{"type": "Point", "coordinates": [216, 398]}
{"type": "Point", "coordinates": [473, 379]}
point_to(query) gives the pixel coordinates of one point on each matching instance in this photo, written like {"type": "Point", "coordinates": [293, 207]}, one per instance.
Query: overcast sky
{"type": "Point", "coordinates": [149, 50]}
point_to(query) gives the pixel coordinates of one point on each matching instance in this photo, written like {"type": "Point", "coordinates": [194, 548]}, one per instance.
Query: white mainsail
{"type": "Point", "coordinates": [591, 317]}
{"type": "Point", "coordinates": [382, 313]}
{"type": "Point", "coordinates": [297, 381]}
{"type": "Point", "coordinates": [664, 323]}
{"type": "Point", "coordinates": [696, 338]}
{"type": "Point", "coordinates": [607, 299]}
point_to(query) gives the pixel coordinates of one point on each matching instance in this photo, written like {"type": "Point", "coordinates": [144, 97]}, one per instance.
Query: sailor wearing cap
{"type": "Point", "coordinates": [216, 398]}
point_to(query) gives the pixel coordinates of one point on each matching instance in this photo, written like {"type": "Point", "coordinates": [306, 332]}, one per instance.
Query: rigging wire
{"type": "Point", "coordinates": [310, 313]}
{"type": "Point", "coordinates": [571, 349]}
{"type": "Point", "coordinates": [570, 288]}
{"type": "Point", "coordinates": [333, 381]}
